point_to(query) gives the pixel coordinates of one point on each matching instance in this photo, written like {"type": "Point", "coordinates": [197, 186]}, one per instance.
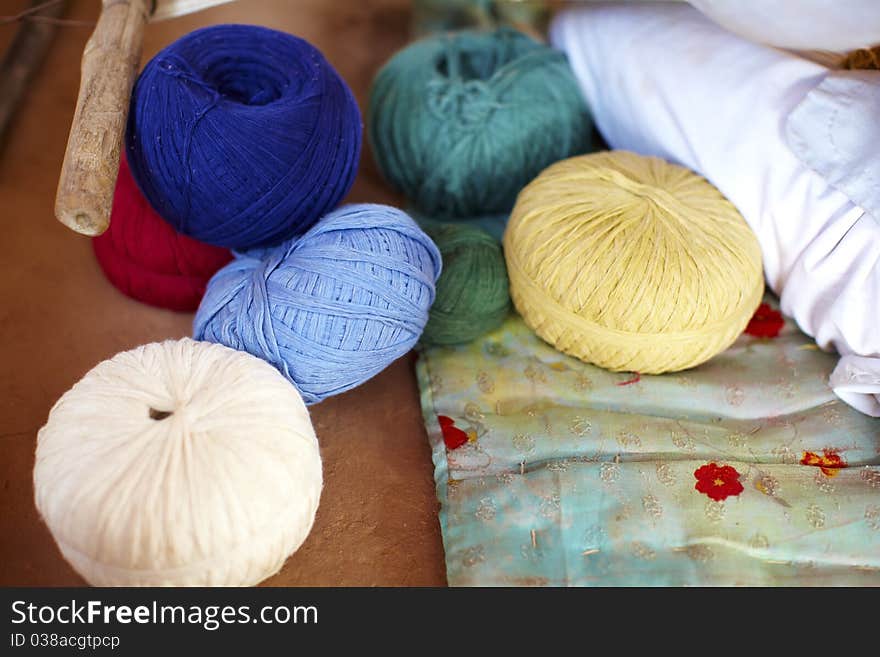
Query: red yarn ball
{"type": "Point", "coordinates": [147, 259]}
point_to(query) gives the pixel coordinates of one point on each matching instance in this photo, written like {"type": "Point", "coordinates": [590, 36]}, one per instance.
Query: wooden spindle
{"type": "Point", "coordinates": [109, 66]}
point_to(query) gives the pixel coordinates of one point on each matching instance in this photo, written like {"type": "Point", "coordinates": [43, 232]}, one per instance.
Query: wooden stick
{"type": "Point", "coordinates": [23, 58]}
{"type": "Point", "coordinates": [109, 66]}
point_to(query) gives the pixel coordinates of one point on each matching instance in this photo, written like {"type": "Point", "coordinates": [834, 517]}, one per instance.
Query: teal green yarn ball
{"type": "Point", "coordinates": [460, 122]}
{"type": "Point", "coordinates": [472, 291]}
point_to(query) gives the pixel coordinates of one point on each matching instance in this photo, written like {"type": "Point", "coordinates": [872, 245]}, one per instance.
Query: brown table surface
{"type": "Point", "coordinates": [377, 522]}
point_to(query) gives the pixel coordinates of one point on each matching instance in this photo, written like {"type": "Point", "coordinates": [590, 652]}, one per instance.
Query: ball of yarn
{"type": "Point", "coordinates": [178, 463]}
{"type": "Point", "coordinates": [472, 295]}
{"type": "Point", "coordinates": [242, 136]}
{"type": "Point", "coordinates": [461, 122]}
{"type": "Point", "coordinates": [331, 308]}
{"type": "Point", "coordinates": [147, 259]}
{"type": "Point", "coordinates": [631, 263]}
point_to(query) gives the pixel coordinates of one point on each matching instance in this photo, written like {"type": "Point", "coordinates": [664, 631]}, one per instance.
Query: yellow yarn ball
{"type": "Point", "coordinates": [631, 263]}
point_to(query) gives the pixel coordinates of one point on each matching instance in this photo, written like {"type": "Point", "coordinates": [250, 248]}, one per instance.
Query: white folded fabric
{"type": "Point", "coordinates": [836, 25]}
{"type": "Point", "coordinates": [664, 80]}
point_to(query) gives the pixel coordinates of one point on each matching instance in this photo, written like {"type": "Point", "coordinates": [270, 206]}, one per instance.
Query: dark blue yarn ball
{"type": "Point", "coordinates": [242, 136]}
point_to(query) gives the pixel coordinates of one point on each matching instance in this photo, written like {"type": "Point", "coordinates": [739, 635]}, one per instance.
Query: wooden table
{"type": "Point", "coordinates": [377, 522]}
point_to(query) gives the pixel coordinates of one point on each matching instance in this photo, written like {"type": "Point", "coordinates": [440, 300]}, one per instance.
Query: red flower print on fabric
{"type": "Point", "coordinates": [452, 435]}
{"type": "Point", "coordinates": [718, 481]}
{"type": "Point", "coordinates": [767, 322]}
{"type": "Point", "coordinates": [829, 462]}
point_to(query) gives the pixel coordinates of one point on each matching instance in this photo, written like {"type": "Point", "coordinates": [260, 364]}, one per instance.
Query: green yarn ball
{"type": "Point", "coordinates": [472, 291]}
{"type": "Point", "coordinates": [460, 122]}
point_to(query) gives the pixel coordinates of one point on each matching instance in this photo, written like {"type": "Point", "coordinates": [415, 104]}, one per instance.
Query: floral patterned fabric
{"type": "Point", "coordinates": [745, 471]}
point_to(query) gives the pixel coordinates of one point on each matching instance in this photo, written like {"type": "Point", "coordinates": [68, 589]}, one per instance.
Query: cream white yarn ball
{"type": "Point", "coordinates": [180, 463]}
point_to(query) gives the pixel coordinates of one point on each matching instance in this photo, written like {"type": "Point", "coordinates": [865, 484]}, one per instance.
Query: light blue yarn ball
{"type": "Point", "coordinates": [331, 308]}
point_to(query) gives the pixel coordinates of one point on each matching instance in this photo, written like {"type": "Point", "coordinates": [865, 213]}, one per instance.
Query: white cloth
{"type": "Point", "coordinates": [664, 80]}
{"type": "Point", "coordinates": [172, 8]}
{"type": "Point", "coordinates": [828, 25]}
{"type": "Point", "coordinates": [837, 25]}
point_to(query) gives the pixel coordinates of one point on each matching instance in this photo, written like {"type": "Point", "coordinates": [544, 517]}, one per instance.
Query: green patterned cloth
{"type": "Point", "coordinates": [744, 471]}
